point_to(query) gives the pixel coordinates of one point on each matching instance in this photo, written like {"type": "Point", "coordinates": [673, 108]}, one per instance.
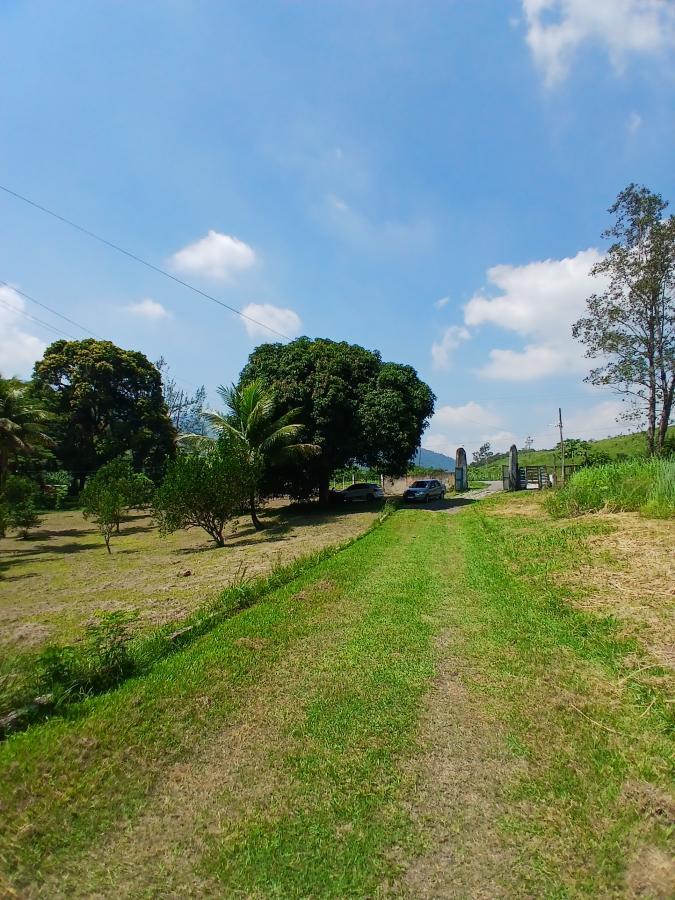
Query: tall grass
{"type": "Point", "coordinates": [636, 485]}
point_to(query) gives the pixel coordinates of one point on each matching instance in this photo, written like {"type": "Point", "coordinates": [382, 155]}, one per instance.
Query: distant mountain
{"type": "Point", "coordinates": [429, 459]}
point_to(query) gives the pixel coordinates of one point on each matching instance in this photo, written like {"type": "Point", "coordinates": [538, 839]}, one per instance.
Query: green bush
{"type": "Point", "coordinates": [205, 488]}
{"type": "Point", "coordinates": [100, 661]}
{"type": "Point", "coordinates": [19, 505]}
{"type": "Point", "coordinates": [644, 485]}
{"type": "Point", "coordinates": [112, 490]}
{"type": "Point", "coordinates": [104, 502]}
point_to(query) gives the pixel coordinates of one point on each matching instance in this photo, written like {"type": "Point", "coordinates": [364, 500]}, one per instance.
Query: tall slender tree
{"type": "Point", "coordinates": [630, 327]}
{"type": "Point", "coordinates": [269, 438]}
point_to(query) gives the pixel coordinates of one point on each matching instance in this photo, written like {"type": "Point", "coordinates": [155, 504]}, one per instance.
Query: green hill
{"type": "Point", "coordinates": [620, 447]}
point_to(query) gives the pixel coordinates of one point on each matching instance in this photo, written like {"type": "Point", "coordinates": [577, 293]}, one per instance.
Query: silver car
{"type": "Point", "coordinates": [424, 491]}
{"type": "Point", "coordinates": [364, 491]}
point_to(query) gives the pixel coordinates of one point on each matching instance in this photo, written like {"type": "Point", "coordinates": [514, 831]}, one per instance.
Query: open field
{"type": "Point", "coordinates": [62, 577]}
{"type": "Point", "coordinates": [454, 705]}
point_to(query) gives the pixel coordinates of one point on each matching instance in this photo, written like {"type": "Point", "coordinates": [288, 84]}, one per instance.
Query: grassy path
{"type": "Point", "coordinates": [421, 715]}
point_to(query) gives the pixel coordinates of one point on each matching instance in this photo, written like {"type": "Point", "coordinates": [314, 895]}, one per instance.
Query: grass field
{"type": "Point", "coordinates": [455, 705]}
{"type": "Point", "coordinates": [62, 577]}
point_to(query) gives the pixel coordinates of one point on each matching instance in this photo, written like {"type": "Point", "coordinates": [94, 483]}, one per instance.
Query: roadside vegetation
{"type": "Point", "coordinates": [150, 585]}
{"type": "Point", "coordinates": [640, 485]}
{"type": "Point", "coordinates": [429, 710]}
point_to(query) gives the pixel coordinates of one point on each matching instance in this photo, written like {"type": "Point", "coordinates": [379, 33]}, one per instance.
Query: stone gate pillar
{"type": "Point", "coordinates": [461, 475]}
{"type": "Point", "coordinates": [513, 468]}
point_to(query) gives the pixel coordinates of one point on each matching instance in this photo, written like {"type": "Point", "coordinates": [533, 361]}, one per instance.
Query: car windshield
{"type": "Point", "coordinates": [420, 484]}
{"type": "Point", "coordinates": [356, 487]}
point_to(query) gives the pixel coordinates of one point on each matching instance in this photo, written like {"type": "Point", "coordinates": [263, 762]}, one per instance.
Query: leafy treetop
{"type": "Point", "coordinates": [108, 401]}
{"type": "Point", "coordinates": [354, 407]}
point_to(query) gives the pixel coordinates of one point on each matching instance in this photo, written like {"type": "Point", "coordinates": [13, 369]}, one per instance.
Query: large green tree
{"type": "Point", "coordinates": [354, 407]}
{"type": "Point", "coordinates": [108, 401]}
{"type": "Point", "coordinates": [630, 326]}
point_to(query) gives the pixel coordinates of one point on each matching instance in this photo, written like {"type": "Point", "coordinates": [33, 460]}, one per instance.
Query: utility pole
{"type": "Point", "coordinates": [562, 447]}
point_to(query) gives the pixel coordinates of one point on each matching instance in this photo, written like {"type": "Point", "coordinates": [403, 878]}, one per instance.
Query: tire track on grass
{"type": "Point", "coordinates": [241, 775]}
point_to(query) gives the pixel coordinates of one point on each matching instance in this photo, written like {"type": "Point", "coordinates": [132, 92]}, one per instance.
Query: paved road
{"type": "Point", "coordinates": [456, 502]}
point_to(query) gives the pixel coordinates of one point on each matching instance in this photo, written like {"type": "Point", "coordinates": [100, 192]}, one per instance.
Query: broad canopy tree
{"type": "Point", "coordinates": [107, 401]}
{"type": "Point", "coordinates": [354, 407]}
{"type": "Point", "coordinates": [630, 327]}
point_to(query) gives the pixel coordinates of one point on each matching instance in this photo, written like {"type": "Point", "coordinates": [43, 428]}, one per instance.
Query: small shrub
{"type": "Point", "coordinates": [103, 502]}
{"type": "Point", "coordinates": [19, 502]}
{"type": "Point", "coordinates": [23, 517]}
{"type": "Point", "coordinates": [205, 488]}
{"type": "Point", "coordinates": [100, 661]}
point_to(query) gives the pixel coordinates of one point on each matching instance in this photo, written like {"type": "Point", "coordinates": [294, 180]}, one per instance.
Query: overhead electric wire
{"type": "Point", "coordinates": [49, 309]}
{"type": "Point", "coordinates": [139, 259]}
{"type": "Point", "coordinates": [35, 319]}
{"type": "Point", "coordinates": [65, 318]}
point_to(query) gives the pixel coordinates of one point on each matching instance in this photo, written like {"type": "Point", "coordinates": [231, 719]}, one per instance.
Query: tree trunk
{"type": "Point", "coordinates": [257, 524]}
{"type": "Point", "coordinates": [4, 469]}
{"type": "Point", "coordinates": [324, 489]}
{"type": "Point", "coordinates": [651, 405]}
{"type": "Point", "coordinates": [666, 410]}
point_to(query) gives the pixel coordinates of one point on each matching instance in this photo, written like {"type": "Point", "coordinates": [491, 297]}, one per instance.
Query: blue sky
{"type": "Point", "coordinates": [429, 179]}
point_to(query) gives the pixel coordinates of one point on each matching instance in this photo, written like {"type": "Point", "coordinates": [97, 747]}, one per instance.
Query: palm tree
{"type": "Point", "coordinates": [22, 420]}
{"type": "Point", "coordinates": [251, 418]}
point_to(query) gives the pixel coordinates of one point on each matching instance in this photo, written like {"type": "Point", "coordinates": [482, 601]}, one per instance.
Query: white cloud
{"type": "Point", "coordinates": [594, 422]}
{"type": "Point", "coordinates": [284, 321]}
{"type": "Point", "coordinates": [634, 123]}
{"type": "Point", "coordinates": [441, 352]}
{"type": "Point", "coordinates": [18, 349]}
{"type": "Point", "coordinates": [539, 301]}
{"type": "Point", "coordinates": [148, 309]}
{"type": "Point", "coordinates": [534, 361]}
{"type": "Point", "coordinates": [217, 256]}
{"type": "Point", "coordinates": [470, 413]}
{"type": "Point", "coordinates": [439, 304]}
{"type": "Point", "coordinates": [557, 28]}
{"type": "Point", "coordinates": [468, 425]}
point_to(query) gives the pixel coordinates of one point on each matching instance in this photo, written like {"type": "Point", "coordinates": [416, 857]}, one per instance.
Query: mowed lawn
{"type": "Point", "coordinates": [61, 578]}
{"type": "Point", "coordinates": [450, 707]}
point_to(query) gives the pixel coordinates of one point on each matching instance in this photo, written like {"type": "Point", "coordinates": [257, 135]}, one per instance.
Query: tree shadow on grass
{"type": "Point", "coordinates": [137, 529]}
{"type": "Point", "coordinates": [231, 542]}
{"type": "Point", "coordinates": [302, 514]}
{"type": "Point", "coordinates": [23, 553]}
{"type": "Point", "coordinates": [442, 505]}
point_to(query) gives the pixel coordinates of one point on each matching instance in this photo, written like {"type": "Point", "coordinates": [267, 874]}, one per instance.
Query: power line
{"type": "Point", "coordinates": [49, 309]}
{"type": "Point", "coordinates": [35, 319]}
{"type": "Point", "coordinates": [65, 318]}
{"type": "Point", "coordinates": [138, 259]}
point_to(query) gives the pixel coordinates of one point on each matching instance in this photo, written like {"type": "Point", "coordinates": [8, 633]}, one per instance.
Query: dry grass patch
{"type": "Point", "coordinates": [630, 574]}
{"type": "Point", "coordinates": [627, 569]}
{"type": "Point", "coordinates": [62, 578]}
